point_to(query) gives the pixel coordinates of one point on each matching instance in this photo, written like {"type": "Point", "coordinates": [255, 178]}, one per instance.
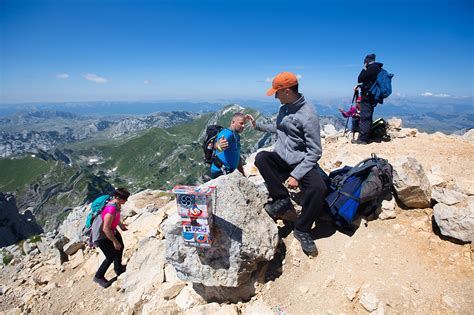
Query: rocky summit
{"type": "Point", "coordinates": [415, 254]}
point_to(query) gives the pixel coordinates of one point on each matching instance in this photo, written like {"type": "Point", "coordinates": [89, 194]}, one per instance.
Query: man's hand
{"type": "Point", "coordinates": [341, 110]}
{"type": "Point", "coordinates": [221, 144]}
{"type": "Point", "coordinates": [292, 183]}
{"type": "Point", "coordinates": [250, 118]}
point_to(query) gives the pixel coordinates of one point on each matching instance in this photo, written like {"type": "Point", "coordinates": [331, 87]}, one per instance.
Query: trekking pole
{"type": "Point", "coordinates": [345, 127]}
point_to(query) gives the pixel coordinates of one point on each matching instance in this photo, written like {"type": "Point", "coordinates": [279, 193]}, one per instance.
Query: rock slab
{"type": "Point", "coordinates": [411, 183]}
{"type": "Point", "coordinates": [245, 238]}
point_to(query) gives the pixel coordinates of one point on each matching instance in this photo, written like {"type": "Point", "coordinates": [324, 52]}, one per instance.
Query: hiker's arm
{"type": "Point", "coordinates": [108, 219]}
{"type": "Point", "coordinates": [258, 125]}
{"type": "Point", "coordinates": [123, 226]}
{"type": "Point", "coordinates": [222, 144]}
{"type": "Point", "coordinates": [266, 127]}
{"type": "Point", "coordinates": [313, 148]}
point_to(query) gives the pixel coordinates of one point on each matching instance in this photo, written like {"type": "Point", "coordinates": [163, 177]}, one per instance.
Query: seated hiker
{"type": "Point", "coordinates": [112, 246]}
{"type": "Point", "coordinates": [353, 115]}
{"type": "Point", "coordinates": [294, 159]}
{"type": "Point", "coordinates": [227, 148]}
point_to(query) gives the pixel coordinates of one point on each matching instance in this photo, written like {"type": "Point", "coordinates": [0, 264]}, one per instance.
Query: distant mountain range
{"type": "Point", "coordinates": [426, 113]}
{"type": "Point", "coordinates": [66, 166]}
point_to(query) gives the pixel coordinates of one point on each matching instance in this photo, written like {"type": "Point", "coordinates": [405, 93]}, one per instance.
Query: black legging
{"type": "Point", "coordinates": [365, 123]}
{"type": "Point", "coordinates": [111, 256]}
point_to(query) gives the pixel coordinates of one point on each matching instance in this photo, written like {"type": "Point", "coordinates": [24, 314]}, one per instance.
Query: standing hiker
{"type": "Point", "coordinates": [112, 246]}
{"type": "Point", "coordinates": [295, 158]}
{"type": "Point", "coordinates": [366, 79]}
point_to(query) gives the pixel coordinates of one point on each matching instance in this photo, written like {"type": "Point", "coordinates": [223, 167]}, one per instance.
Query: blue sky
{"type": "Point", "coordinates": [205, 50]}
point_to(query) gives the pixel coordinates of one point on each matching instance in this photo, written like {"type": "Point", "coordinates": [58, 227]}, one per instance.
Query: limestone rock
{"type": "Point", "coordinates": [395, 123]}
{"type": "Point", "coordinates": [74, 223]}
{"type": "Point", "coordinates": [369, 301]}
{"type": "Point", "coordinates": [13, 225]}
{"type": "Point", "coordinates": [469, 135]}
{"type": "Point", "coordinates": [144, 270]}
{"type": "Point", "coordinates": [171, 290]}
{"type": "Point", "coordinates": [329, 130]}
{"type": "Point", "coordinates": [187, 298]}
{"type": "Point", "coordinates": [257, 308]}
{"type": "Point", "coordinates": [388, 210]}
{"type": "Point", "coordinates": [73, 246]}
{"type": "Point", "coordinates": [351, 292]}
{"type": "Point", "coordinates": [213, 308]}
{"type": "Point", "coordinates": [244, 238]}
{"type": "Point", "coordinates": [457, 222]}
{"type": "Point", "coordinates": [411, 183]}
{"type": "Point", "coordinates": [447, 196]}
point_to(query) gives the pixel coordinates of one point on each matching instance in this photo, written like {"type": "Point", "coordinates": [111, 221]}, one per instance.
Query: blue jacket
{"type": "Point", "coordinates": [231, 156]}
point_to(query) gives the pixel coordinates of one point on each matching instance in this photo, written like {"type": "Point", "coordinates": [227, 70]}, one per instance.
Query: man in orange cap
{"type": "Point", "coordinates": [295, 158]}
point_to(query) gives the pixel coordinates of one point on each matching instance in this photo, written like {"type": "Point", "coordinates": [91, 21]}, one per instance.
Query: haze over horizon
{"type": "Point", "coordinates": [60, 51]}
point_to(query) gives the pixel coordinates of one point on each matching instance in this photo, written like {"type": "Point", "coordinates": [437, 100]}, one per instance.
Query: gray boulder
{"type": "Point", "coordinates": [145, 270]}
{"type": "Point", "coordinates": [245, 238]}
{"type": "Point", "coordinates": [411, 183]}
{"type": "Point", "coordinates": [74, 223]}
{"type": "Point", "coordinates": [73, 246]}
{"type": "Point", "coordinates": [447, 196]}
{"type": "Point", "coordinates": [13, 225]}
{"type": "Point", "coordinates": [456, 222]}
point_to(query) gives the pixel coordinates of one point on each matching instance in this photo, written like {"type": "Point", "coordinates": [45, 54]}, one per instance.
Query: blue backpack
{"type": "Point", "coordinates": [96, 208]}
{"type": "Point", "coordinates": [363, 185]}
{"type": "Point", "coordinates": [382, 87]}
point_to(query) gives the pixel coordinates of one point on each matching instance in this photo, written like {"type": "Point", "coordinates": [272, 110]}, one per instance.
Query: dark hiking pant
{"type": "Point", "coordinates": [111, 256]}
{"type": "Point", "coordinates": [365, 123]}
{"type": "Point", "coordinates": [275, 171]}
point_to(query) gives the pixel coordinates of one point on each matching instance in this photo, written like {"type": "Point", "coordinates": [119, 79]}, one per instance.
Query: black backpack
{"type": "Point", "coordinates": [208, 144]}
{"type": "Point", "coordinates": [379, 130]}
{"type": "Point", "coordinates": [360, 187]}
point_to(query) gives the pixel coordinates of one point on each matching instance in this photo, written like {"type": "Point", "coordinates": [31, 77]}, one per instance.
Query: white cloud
{"type": "Point", "coordinates": [95, 78]}
{"type": "Point", "coordinates": [62, 76]}
{"type": "Point", "coordinates": [435, 95]}
{"type": "Point", "coordinates": [146, 82]}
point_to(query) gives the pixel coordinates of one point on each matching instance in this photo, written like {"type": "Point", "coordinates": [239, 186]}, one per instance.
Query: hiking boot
{"type": "Point", "coordinates": [104, 283]}
{"type": "Point", "coordinates": [122, 269]}
{"type": "Point", "coordinates": [358, 141]}
{"type": "Point", "coordinates": [278, 207]}
{"type": "Point", "coordinates": [307, 243]}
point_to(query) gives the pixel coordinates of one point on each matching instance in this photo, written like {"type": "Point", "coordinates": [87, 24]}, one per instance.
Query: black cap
{"type": "Point", "coordinates": [369, 58]}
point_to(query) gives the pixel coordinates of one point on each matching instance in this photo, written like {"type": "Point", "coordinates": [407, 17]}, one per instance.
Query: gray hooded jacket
{"type": "Point", "coordinates": [299, 139]}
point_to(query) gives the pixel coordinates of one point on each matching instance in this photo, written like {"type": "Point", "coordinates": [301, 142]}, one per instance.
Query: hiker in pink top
{"type": "Point", "coordinates": [112, 246]}
{"type": "Point", "coordinates": [353, 114]}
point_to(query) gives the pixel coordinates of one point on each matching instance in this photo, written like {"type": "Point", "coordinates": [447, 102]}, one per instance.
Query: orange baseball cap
{"type": "Point", "coordinates": [282, 81]}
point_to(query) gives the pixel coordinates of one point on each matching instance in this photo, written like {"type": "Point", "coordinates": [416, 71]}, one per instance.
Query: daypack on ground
{"type": "Point", "coordinates": [208, 144]}
{"type": "Point", "coordinates": [361, 186]}
{"type": "Point", "coordinates": [379, 130]}
{"type": "Point", "coordinates": [382, 87]}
